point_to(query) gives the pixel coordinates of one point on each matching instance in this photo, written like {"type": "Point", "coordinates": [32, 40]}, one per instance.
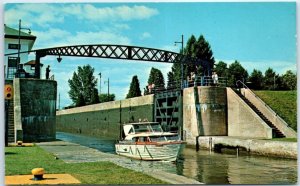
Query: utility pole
{"type": "Point", "coordinates": [100, 83]}
{"type": "Point", "coordinates": [107, 88]}
{"type": "Point", "coordinates": [177, 42]}
{"type": "Point", "coordinates": [58, 101]}
{"type": "Point", "coordinates": [19, 40]}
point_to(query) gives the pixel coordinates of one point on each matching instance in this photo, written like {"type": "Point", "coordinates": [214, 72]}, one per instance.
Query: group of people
{"type": "Point", "coordinates": [192, 79]}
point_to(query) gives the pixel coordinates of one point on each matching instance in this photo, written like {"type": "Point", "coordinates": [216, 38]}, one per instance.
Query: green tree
{"type": "Point", "coordinates": [203, 51]}
{"type": "Point", "coordinates": [174, 76]}
{"type": "Point", "coordinates": [256, 79]}
{"type": "Point", "coordinates": [289, 80]}
{"type": "Point", "coordinates": [83, 86]}
{"type": "Point", "coordinates": [156, 77]}
{"type": "Point", "coordinates": [195, 48]}
{"type": "Point", "coordinates": [105, 98]}
{"type": "Point", "coordinates": [221, 69]}
{"type": "Point", "coordinates": [236, 72]}
{"type": "Point", "coordinates": [95, 97]}
{"type": "Point", "coordinates": [270, 79]}
{"type": "Point", "coordinates": [80, 101]}
{"type": "Point", "coordinates": [134, 90]}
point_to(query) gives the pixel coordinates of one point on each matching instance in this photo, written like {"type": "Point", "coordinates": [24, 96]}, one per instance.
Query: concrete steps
{"type": "Point", "coordinates": [276, 132]}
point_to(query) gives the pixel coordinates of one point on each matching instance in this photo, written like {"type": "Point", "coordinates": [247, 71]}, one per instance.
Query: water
{"type": "Point", "coordinates": [208, 167]}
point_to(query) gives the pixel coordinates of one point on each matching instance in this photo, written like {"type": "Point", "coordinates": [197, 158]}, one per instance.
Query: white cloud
{"type": "Point", "coordinates": [34, 13]}
{"type": "Point", "coordinates": [145, 35]}
{"type": "Point", "coordinates": [57, 37]}
{"type": "Point", "coordinates": [123, 13]}
{"type": "Point", "coordinates": [45, 14]}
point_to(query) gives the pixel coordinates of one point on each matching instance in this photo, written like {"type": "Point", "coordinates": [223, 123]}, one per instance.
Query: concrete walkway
{"type": "Point", "coordinates": [75, 153]}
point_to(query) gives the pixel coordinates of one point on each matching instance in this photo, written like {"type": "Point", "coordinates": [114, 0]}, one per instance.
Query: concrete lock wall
{"type": "Point", "coordinates": [103, 119]}
{"type": "Point", "coordinates": [269, 113]}
{"type": "Point", "coordinates": [204, 112]}
{"type": "Point", "coordinates": [34, 107]}
{"type": "Point", "coordinates": [243, 121]}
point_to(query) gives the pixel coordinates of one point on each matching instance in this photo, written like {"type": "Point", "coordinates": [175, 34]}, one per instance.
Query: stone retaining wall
{"type": "Point", "coordinates": [252, 146]}
{"type": "Point", "coordinates": [103, 119]}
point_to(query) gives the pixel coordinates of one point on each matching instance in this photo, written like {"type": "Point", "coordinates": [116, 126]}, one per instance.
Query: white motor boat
{"type": "Point", "coordinates": [148, 141]}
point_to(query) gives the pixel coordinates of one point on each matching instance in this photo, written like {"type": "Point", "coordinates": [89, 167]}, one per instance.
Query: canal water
{"type": "Point", "coordinates": [208, 167]}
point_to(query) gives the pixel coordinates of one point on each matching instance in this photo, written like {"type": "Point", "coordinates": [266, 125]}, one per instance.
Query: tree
{"type": "Point", "coordinates": [270, 79]}
{"type": "Point", "coordinates": [105, 98]}
{"type": "Point", "coordinates": [236, 72]}
{"type": "Point", "coordinates": [134, 90]}
{"type": "Point", "coordinates": [289, 80]}
{"type": "Point", "coordinates": [221, 69]}
{"type": "Point", "coordinates": [174, 76]}
{"type": "Point", "coordinates": [80, 101]}
{"type": "Point", "coordinates": [156, 77]}
{"type": "Point", "coordinates": [256, 79]}
{"type": "Point", "coordinates": [195, 48]}
{"type": "Point", "coordinates": [83, 86]}
{"type": "Point", "coordinates": [95, 97]}
{"type": "Point", "coordinates": [203, 51]}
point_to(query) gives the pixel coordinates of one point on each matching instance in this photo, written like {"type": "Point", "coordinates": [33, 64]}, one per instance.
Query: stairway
{"type": "Point", "coordinates": [276, 132]}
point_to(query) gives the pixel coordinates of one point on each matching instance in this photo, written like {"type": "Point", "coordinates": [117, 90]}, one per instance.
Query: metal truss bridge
{"type": "Point", "coordinates": [116, 52]}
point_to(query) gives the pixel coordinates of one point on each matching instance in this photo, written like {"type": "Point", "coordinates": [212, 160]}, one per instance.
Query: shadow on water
{"type": "Point", "coordinates": [207, 167]}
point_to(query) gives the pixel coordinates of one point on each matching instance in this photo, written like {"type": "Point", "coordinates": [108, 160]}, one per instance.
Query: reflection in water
{"type": "Point", "coordinates": [216, 168]}
{"type": "Point", "coordinates": [206, 167]}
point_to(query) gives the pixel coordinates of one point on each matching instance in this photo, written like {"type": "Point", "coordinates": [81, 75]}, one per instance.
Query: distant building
{"type": "Point", "coordinates": [11, 44]}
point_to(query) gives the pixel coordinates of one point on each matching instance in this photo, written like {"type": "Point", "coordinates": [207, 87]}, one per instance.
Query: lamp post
{"type": "Point", "coordinates": [100, 83]}
{"type": "Point", "coordinates": [19, 41]}
{"type": "Point", "coordinates": [177, 42]}
{"type": "Point", "coordinates": [107, 88]}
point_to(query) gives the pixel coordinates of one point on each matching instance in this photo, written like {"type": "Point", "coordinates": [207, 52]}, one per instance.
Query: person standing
{"type": "Point", "coordinates": [47, 72]}
{"type": "Point", "coordinates": [215, 78]}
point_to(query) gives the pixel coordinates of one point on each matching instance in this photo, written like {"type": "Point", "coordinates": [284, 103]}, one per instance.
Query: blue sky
{"type": "Point", "coordinates": [258, 35]}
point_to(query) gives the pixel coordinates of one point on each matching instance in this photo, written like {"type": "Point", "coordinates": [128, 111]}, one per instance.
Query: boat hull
{"type": "Point", "coordinates": [151, 152]}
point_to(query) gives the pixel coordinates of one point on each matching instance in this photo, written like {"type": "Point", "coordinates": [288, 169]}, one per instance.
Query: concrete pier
{"type": "Point", "coordinates": [252, 146]}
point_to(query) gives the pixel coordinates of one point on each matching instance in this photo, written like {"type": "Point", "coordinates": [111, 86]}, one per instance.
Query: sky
{"type": "Point", "coordinates": [258, 35]}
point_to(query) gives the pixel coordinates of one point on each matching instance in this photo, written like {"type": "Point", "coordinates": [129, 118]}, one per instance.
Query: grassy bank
{"type": "Point", "coordinates": [284, 103]}
{"type": "Point", "coordinates": [21, 160]}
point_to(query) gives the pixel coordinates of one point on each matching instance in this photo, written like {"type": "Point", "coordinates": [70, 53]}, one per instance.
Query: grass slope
{"type": "Point", "coordinates": [284, 103]}
{"type": "Point", "coordinates": [21, 160]}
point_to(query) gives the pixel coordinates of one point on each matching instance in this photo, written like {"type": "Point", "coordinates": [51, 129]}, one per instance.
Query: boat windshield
{"type": "Point", "coordinates": [153, 127]}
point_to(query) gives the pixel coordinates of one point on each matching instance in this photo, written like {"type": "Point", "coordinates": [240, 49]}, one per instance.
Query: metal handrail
{"type": "Point", "coordinates": [269, 108]}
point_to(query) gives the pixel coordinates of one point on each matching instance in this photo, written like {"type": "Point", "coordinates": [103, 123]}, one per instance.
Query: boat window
{"type": "Point", "coordinates": [140, 128]}
{"type": "Point", "coordinates": [157, 138]}
{"type": "Point", "coordinates": [131, 131]}
{"type": "Point", "coordinates": [175, 137]}
{"type": "Point", "coordinates": [156, 128]}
